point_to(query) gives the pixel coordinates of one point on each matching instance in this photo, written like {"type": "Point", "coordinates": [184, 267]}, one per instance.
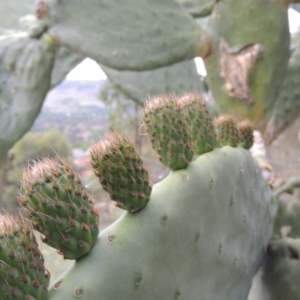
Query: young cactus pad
{"type": "Point", "coordinates": [203, 235]}
{"type": "Point", "coordinates": [227, 131]}
{"type": "Point", "coordinates": [200, 122]}
{"type": "Point", "coordinates": [168, 131]}
{"type": "Point", "coordinates": [22, 271]}
{"type": "Point", "coordinates": [121, 173]}
{"type": "Point", "coordinates": [60, 208]}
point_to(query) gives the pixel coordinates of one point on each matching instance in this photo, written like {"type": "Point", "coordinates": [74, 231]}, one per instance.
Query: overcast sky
{"type": "Point", "coordinates": [90, 70]}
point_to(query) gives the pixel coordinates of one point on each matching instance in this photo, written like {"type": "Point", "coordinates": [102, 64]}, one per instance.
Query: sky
{"type": "Point", "coordinates": [90, 70]}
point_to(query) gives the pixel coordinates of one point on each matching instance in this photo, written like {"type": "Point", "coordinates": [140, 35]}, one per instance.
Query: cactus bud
{"type": "Point", "coordinates": [168, 132]}
{"type": "Point", "coordinates": [227, 131]}
{"type": "Point", "coordinates": [22, 271]}
{"type": "Point", "coordinates": [58, 205]}
{"type": "Point", "coordinates": [121, 173]}
{"type": "Point", "coordinates": [199, 121]}
{"type": "Point", "coordinates": [245, 134]}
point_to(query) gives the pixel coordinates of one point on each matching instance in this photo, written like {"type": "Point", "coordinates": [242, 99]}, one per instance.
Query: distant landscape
{"type": "Point", "coordinates": [75, 109]}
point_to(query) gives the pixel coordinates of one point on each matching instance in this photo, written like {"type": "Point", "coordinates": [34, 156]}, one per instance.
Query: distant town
{"type": "Point", "coordinates": [74, 107]}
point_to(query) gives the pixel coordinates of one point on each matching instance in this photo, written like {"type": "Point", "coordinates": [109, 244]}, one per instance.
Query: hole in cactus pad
{"type": "Point", "coordinates": [111, 238]}
{"type": "Point", "coordinates": [164, 219]}
{"type": "Point", "coordinates": [79, 293]}
{"type": "Point", "coordinates": [138, 281]}
{"type": "Point", "coordinates": [57, 285]}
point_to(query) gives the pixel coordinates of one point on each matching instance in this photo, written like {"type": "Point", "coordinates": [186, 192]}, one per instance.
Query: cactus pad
{"type": "Point", "coordinates": [246, 137]}
{"type": "Point", "coordinates": [174, 79]}
{"type": "Point", "coordinates": [60, 208]}
{"type": "Point", "coordinates": [282, 269]}
{"type": "Point", "coordinates": [227, 131]}
{"type": "Point", "coordinates": [168, 132]}
{"type": "Point", "coordinates": [22, 271]}
{"type": "Point", "coordinates": [199, 121]}
{"type": "Point", "coordinates": [247, 67]}
{"type": "Point", "coordinates": [145, 35]}
{"type": "Point", "coordinates": [121, 172]}
{"type": "Point", "coordinates": [199, 221]}
{"type": "Point", "coordinates": [25, 75]}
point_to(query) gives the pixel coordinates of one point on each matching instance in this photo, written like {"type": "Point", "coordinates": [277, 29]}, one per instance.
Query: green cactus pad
{"type": "Point", "coordinates": [227, 131]}
{"type": "Point", "coordinates": [168, 132]}
{"type": "Point", "coordinates": [246, 137]}
{"type": "Point", "coordinates": [197, 8]}
{"type": "Point", "coordinates": [25, 75]}
{"type": "Point", "coordinates": [287, 107]}
{"type": "Point", "coordinates": [60, 208]}
{"type": "Point", "coordinates": [248, 63]}
{"type": "Point", "coordinates": [121, 173]}
{"type": "Point", "coordinates": [22, 271]}
{"type": "Point", "coordinates": [281, 272]}
{"type": "Point", "coordinates": [203, 235]}
{"type": "Point", "coordinates": [175, 79]}
{"type": "Point", "coordinates": [200, 122]}
{"type": "Point", "coordinates": [134, 35]}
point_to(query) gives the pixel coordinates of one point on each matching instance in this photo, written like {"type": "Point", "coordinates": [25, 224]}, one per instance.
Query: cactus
{"type": "Point", "coordinates": [227, 131]}
{"type": "Point", "coordinates": [248, 64]}
{"type": "Point", "coordinates": [282, 269]}
{"type": "Point", "coordinates": [23, 274]}
{"type": "Point", "coordinates": [25, 70]}
{"type": "Point", "coordinates": [287, 106]}
{"type": "Point", "coordinates": [176, 79]}
{"type": "Point", "coordinates": [60, 208]}
{"type": "Point", "coordinates": [199, 220]}
{"type": "Point", "coordinates": [121, 172]}
{"type": "Point", "coordinates": [168, 131]}
{"type": "Point", "coordinates": [246, 136]}
{"type": "Point", "coordinates": [125, 44]}
{"type": "Point", "coordinates": [199, 121]}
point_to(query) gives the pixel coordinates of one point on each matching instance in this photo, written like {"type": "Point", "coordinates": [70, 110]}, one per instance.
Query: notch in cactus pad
{"type": "Point", "coordinates": [120, 171]}
{"type": "Point", "coordinates": [199, 121]}
{"type": "Point", "coordinates": [168, 132]}
{"type": "Point", "coordinates": [60, 208]}
{"type": "Point", "coordinates": [23, 274]}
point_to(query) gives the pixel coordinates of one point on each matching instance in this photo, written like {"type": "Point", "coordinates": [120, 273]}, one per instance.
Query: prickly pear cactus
{"type": "Point", "coordinates": [213, 216]}
{"type": "Point", "coordinates": [22, 271]}
{"type": "Point", "coordinates": [147, 34]}
{"type": "Point", "coordinates": [227, 131]}
{"type": "Point", "coordinates": [169, 133]}
{"type": "Point", "coordinates": [178, 78]}
{"type": "Point", "coordinates": [287, 106]}
{"type": "Point", "coordinates": [25, 78]}
{"type": "Point", "coordinates": [121, 172]}
{"type": "Point", "coordinates": [200, 122]}
{"type": "Point", "coordinates": [250, 55]}
{"type": "Point", "coordinates": [60, 208]}
{"type": "Point", "coordinates": [282, 269]}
